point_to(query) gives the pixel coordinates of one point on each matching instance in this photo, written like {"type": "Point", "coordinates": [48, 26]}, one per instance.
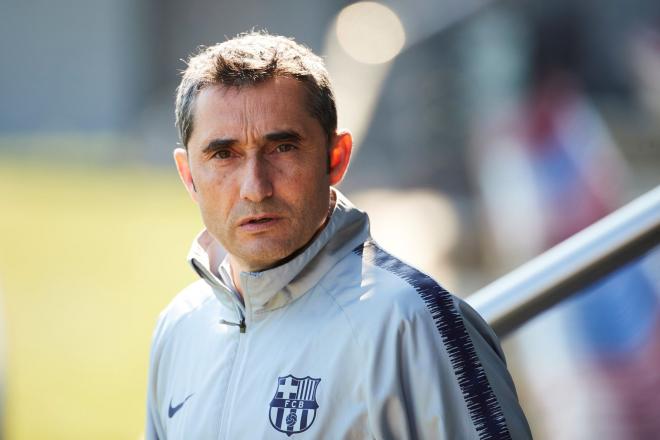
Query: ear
{"type": "Point", "coordinates": [340, 155]}
{"type": "Point", "coordinates": [183, 166]}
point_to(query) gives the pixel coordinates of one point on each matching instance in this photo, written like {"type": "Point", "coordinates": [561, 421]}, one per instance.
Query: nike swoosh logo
{"type": "Point", "coordinates": [174, 409]}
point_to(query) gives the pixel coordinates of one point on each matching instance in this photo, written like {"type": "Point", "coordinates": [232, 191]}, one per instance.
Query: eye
{"type": "Point", "coordinates": [283, 148]}
{"type": "Point", "coordinates": [222, 154]}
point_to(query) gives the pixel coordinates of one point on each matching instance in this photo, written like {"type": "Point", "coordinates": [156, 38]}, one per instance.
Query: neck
{"type": "Point", "coordinates": [236, 269]}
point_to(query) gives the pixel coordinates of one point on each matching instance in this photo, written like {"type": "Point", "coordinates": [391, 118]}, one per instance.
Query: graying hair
{"type": "Point", "coordinates": [249, 59]}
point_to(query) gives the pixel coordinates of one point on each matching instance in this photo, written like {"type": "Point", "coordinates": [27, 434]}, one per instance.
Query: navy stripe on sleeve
{"type": "Point", "coordinates": [485, 411]}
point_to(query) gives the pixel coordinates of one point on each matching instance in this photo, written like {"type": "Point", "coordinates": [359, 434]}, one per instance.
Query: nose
{"type": "Point", "coordinates": [256, 185]}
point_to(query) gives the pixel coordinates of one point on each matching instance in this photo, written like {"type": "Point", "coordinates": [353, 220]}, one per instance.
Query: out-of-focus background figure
{"type": "Point", "coordinates": [548, 166]}
{"type": "Point", "coordinates": [486, 131]}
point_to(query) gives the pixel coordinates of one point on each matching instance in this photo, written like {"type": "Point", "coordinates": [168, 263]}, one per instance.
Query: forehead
{"type": "Point", "coordinates": [251, 111]}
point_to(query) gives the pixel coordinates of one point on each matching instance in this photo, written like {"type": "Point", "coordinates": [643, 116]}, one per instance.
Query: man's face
{"type": "Point", "coordinates": [258, 162]}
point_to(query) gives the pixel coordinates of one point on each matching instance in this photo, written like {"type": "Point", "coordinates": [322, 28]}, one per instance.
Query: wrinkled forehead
{"type": "Point", "coordinates": [248, 111]}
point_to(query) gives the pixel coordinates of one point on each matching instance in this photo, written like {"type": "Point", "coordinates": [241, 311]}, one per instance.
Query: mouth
{"type": "Point", "coordinates": [258, 221]}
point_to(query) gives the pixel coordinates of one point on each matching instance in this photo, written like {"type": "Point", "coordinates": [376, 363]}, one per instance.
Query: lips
{"type": "Point", "coordinates": [257, 220]}
{"type": "Point", "coordinates": [258, 223]}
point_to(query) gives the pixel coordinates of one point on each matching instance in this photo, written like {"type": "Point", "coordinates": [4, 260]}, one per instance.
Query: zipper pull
{"type": "Point", "coordinates": [240, 325]}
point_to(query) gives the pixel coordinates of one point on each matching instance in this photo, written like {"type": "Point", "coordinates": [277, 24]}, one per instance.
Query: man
{"type": "Point", "coordinates": [300, 324]}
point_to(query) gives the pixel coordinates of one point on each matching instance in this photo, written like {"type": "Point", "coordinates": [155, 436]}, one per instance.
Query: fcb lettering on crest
{"type": "Point", "coordinates": [293, 408]}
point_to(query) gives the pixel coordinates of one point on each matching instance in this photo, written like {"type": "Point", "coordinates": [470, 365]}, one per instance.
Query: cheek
{"type": "Point", "coordinates": [312, 193]}
{"type": "Point", "coordinates": [214, 192]}
{"type": "Point", "coordinates": [304, 185]}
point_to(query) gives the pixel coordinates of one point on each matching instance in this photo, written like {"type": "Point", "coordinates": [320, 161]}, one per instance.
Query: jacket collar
{"type": "Point", "coordinates": [274, 288]}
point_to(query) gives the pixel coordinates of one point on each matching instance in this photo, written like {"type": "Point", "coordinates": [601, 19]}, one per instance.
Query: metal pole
{"type": "Point", "coordinates": [608, 244]}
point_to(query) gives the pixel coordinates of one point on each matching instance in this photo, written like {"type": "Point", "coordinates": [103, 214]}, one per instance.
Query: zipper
{"type": "Point", "coordinates": [231, 387]}
{"type": "Point", "coordinates": [236, 368]}
{"type": "Point", "coordinates": [241, 325]}
{"type": "Point", "coordinates": [240, 312]}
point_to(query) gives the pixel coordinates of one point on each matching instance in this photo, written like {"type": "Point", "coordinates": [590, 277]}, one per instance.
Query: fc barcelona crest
{"type": "Point", "coordinates": [293, 408]}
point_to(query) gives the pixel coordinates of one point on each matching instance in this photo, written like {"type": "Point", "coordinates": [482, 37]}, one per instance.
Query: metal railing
{"type": "Point", "coordinates": [560, 272]}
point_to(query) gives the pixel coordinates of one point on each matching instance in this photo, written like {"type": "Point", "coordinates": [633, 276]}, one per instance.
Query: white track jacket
{"type": "Point", "coordinates": [344, 341]}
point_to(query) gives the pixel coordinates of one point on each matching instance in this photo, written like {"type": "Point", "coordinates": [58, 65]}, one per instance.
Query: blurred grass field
{"type": "Point", "coordinates": [88, 257]}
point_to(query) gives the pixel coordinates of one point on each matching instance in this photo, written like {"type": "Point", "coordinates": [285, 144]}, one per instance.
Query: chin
{"type": "Point", "coordinates": [259, 260]}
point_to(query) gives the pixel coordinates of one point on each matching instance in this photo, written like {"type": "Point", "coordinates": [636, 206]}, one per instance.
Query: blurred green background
{"type": "Point", "coordinates": [88, 257]}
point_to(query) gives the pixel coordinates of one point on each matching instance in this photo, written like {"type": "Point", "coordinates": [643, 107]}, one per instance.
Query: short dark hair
{"type": "Point", "coordinates": [249, 59]}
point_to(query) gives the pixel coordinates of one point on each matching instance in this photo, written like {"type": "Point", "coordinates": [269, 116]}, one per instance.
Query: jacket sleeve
{"type": "Point", "coordinates": [153, 427]}
{"type": "Point", "coordinates": [440, 374]}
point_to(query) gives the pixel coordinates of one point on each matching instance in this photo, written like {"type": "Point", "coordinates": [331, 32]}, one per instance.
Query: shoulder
{"type": "Point", "coordinates": [383, 296]}
{"type": "Point", "coordinates": [372, 279]}
{"type": "Point", "coordinates": [386, 300]}
{"type": "Point", "coordinates": [401, 313]}
{"type": "Point", "coordinates": [189, 301]}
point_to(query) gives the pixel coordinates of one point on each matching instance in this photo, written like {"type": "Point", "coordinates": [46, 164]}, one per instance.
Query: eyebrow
{"type": "Point", "coordinates": [275, 136]}
{"type": "Point", "coordinates": [218, 144]}
{"type": "Point", "coordinates": [284, 135]}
